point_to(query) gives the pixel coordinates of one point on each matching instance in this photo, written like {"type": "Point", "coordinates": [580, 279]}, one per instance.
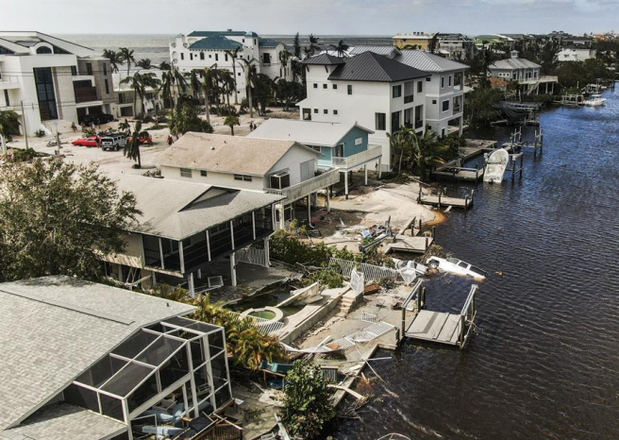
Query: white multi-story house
{"type": "Point", "coordinates": [455, 46]}
{"type": "Point", "coordinates": [443, 88]}
{"type": "Point", "coordinates": [525, 72]}
{"type": "Point", "coordinates": [202, 49]}
{"type": "Point", "coordinates": [575, 54]}
{"type": "Point", "coordinates": [53, 79]}
{"type": "Point", "coordinates": [376, 91]}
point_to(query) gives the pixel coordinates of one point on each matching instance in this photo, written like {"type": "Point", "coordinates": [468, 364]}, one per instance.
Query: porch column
{"type": "Point", "coordinates": [365, 174]}
{"type": "Point", "coordinates": [181, 257]}
{"type": "Point", "coordinates": [380, 167]}
{"type": "Point", "coordinates": [267, 252]}
{"type": "Point", "coordinates": [328, 199]}
{"type": "Point", "coordinates": [346, 184]}
{"type": "Point", "coordinates": [161, 254]}
{"type": "Point", "coordinates": [461, 125]}
{"type": "Point", "coordinates": [233, 268]}
{"type": "Point", "coordinates": [282, 221]}
{"type": "Point", "coordinates": [253, 223]}
{"type": "Point", "coordinates": [232, 233]}
{"type": "Point", "coordinates": [208, 245]}
{"type": "Point", "coordinates": [191, 285]}
{"type": "Point", "coordinates": [309, 209]}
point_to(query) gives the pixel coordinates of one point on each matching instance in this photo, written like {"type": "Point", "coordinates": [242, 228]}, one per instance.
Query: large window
{"type": "Point", "coordinates": [409, 91]}
{"type": "Point", "coordinates": [185, 172]}
{"type": "Point", "coordinates": [445, 105]}
{"type": "Point", "coordinates": [396, 91]}
{"type": "Point", "coordinates": [380, 121]}
{"type": "Point", "coordinates": [419, 86]}
{"type": "Point", "coordinates": [395, 121]}
{"type": "Point", "coordinates": [349, 89]}
{"type": "Point", "coordinates": [45, 93]}
{"type": "Point", "coordinates": [408, 117]}
{"type": "Point", "coordinates": [242, 177]}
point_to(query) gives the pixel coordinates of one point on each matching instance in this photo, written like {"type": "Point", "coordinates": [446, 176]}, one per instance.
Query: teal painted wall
{"type": "Point", "coordinates": [349, 145]}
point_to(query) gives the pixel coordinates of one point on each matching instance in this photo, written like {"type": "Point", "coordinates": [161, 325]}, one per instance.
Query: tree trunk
{"type": "Point", "coordinates": [207, 110]}
{"type": "Point", "coordinates": [236, 97]}
{"type": "Point", "coordinates": [232, 130]}
{"type": "Point", "coordinates": [139, 156]}
{"type": "Point", "coordinates": [250, 102]}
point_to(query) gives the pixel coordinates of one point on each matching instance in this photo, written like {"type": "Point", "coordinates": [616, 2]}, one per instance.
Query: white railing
{"type": "Point", "coordinates": [251, 255]}
{"type": "Point", "coordinates": [358, 159]}
{"type": "Point", "coordinates": [265, 326]}
{"type": "Point", "coordinates": [369, 271]}
{"type": "Point", "coordinates": [308, 186]}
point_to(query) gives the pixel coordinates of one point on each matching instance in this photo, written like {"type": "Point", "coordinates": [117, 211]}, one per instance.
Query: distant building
{"type": "Point", "coordinates": [87, 361]}
{"type": "Point", "coordinates": [202, 49]}
{"type": "Point", "coordinates": [56, 80]}
{"type": "Point", "coordinates": [575, 54]}
{"type": "Point", "coordinates": [455, 46]}
{"type": "Point", "coordinates": [413, 40]}
{"type": "Point", "coordinates": [126, 105]}
{"type": "Point", "coordinates": [525, 72]}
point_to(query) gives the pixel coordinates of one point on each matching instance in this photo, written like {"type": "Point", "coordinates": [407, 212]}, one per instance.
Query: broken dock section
{"type": "Point", "coordinates": [440, 327]}
{"type": "Point", "coordinates": [441, 200]}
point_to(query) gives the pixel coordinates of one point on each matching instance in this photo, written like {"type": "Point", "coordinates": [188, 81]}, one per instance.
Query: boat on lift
{"type": "Point", "coordinates": [595, 100]}
{"type": "Point", "coordinates": [496, 164]}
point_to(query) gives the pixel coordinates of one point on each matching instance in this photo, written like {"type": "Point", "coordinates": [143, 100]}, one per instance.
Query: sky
{"type": "Point", "coordinates": [334, 17]}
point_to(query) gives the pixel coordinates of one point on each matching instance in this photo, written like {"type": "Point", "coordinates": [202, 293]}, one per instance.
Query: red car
{"type": "Point", "coordinates": [90, 141]}
{"type": "Point", "coordinates": [143, 138]}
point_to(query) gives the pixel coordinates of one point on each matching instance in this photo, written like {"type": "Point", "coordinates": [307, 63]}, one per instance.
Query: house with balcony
{"type": "Point", "coordinates": [526, 73]}
{"type": "Point", "coordinates": [285, 169]}
{"type": "Point", "coordinates": [376, 91]}
{"type": "Point", "coordinates": [343, 145]}
{"type": "Point", "coordinates": [443, 87]}
{"type": "Point", "coordinates": [55, 80]}
{"type": "Point", "coordinates": [104, 363]}
{"type": "Point", "coordinates": [202, 49]}
{"type": "Point", "coordinates": [455, 46]}
{"type": "Point", "coordinates": [189, 231]}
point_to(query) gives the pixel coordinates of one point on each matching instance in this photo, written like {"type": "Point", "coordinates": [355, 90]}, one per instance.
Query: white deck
{"type": "Point", "coordinates": [436, 327]}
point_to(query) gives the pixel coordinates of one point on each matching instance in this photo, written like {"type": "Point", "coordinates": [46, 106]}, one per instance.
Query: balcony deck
{"type": "Point", "coordinates": [349, 162]}
{"type": "Point", "coordinates": [308, 186]}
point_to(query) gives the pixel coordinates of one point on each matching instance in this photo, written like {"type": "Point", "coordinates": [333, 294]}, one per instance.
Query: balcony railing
{"type": "Point", "coordinates": [357, 159]}
{"type": "Point", "coordinates": [308, 186]}
{"type": "Point", "coordinates": [85, 94]}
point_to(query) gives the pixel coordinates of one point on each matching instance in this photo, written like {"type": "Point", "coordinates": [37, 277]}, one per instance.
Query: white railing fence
{"type": "Point", "coordinates": [370, 272]}
{"type": "Point", "coordinates": [252, 255]}
{"type": "Point", "coordinates": [266, 326]}
{"type": "Point", "coordinates": [354, 160]}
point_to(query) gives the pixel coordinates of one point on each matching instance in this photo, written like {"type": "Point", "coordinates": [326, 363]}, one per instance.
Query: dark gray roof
{"type": "Point", "coordinates": [324, 59]}
{"type": "Point", "coordinates": [225, 33]}
{"type": "Point", "coordinates": [215, 42]}
{"type": "Point", "coordinates": [369, 66]}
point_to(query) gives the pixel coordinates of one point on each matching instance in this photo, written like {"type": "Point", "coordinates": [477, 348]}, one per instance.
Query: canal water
{"type": "Point", "coordinates": [544, 362]}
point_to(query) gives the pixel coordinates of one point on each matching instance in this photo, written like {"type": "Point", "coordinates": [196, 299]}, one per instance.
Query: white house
{"type": "Point", "coordinates": [281, 167]}
{"type": "Point", "coordinates": [125, 105]}
{"type": "Point", "coordinates": [104, 363]}
{"type": "Point", "coordinates": [374, 90]}
{"type": "Point", "coordinates": [443, 89]}
{"type": "Point", "coordinates": [202, 49]}
{"type": "Point", "coordinates": [575, 54]}
{"type": "Point", "coordinates": [525, 72]}
{"type": "Point", "coordinates": [342, 145]}
{"type": "Point", "coordinates": [55, 80]}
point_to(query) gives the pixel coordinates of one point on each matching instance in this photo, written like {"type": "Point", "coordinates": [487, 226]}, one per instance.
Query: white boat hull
{"type": "Point", "coordinates": [496, 165]}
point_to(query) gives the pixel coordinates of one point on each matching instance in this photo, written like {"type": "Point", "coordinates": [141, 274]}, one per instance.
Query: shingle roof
{"type": "Point", "coordinates": [418, 59]}
{"type": "Point", "coordinates": [369, 66]}
{"type": "Point", "coordinates": [62, 421]}
{"type": "Point", "coordinates": [324, 59]}
{"type": "Point", "coordinates": [226, 154]}
{"type": "Point", "coordinates": [306, 132]}
{"type": "Point", "coordinates": [178, 209]}
{"type": "Point", "coordinates": [54, 328]}
{"type": "Point", "coordinates": [514, 63]}
{"type": "Point", "coordinates": [215, 42]}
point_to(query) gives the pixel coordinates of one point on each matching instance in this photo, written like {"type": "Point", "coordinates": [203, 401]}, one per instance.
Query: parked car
{"type": "Point", "coordinates": [143, 138]}
{"type": "Point", "coordinates": [114, 141]}
{"type": "Point", "coordinates": [90, 141]}
{"type": "Point", "coordinates": [456, 266]}
{"type": "Point", "coordinates": [97, 119]}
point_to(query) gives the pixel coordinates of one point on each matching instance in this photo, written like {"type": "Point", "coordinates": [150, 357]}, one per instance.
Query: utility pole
{"type": "Point", "coordinates": [23, 120]}
{"type": "Point", "coordinates": [2, 145]}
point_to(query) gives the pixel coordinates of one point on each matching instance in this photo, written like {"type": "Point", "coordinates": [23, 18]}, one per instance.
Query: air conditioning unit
{"type": "Point", "coordinates": [280, 180]}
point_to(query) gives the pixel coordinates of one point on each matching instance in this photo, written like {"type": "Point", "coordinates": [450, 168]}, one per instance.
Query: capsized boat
{"type": "Point", "coordinates": [496, 165]}
{"type": "Point", "coordinates": [595, 100]}
{"type": "Point", "coordinates": [456, 266]}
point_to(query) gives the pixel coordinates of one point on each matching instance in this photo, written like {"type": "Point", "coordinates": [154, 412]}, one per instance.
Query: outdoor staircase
{"type": "Point", "coordinates": [348, 302]}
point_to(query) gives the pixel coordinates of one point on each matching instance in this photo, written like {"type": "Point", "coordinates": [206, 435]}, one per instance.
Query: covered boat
{"type": "Point", "coordinates": [496, 165]}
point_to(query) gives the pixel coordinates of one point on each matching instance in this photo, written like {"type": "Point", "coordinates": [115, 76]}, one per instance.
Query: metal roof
{"type": "Point", "coordinates": [63, 421]}
{"type": "Point", "coordinates": [514, 63]}
{"type": "Point", "coordinates": [25, 39]}
{"type": "Point", "coordinates": [369, 66]}
{"type": "Point", "coordinates": [267, 42]}
{"type": "Point", "coordinates": [227, 154]}
{"type": "Point", "coordinates": [324, 59]}
{"type": "Point", "coordinates": [215, 42]}
{"type": "Point", "coordinates": [320, 134]}
{"type": "Point", "coordinates": [418, 59]}
{"type": "Point", "coordinates": [56, 327]}
{"type": "Point", "coordinates": [228, 32]}
{"type": "Point", "coordinates": [178, 209]}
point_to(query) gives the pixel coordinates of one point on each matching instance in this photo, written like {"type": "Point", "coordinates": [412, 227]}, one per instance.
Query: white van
{"type": "Point", "coordinates": [113, 142]}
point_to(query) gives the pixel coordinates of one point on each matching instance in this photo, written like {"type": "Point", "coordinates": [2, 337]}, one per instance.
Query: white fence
{"type": "Point", "coordinates": [252, 255]}
{"type": "Point", "coordinates": [266, 326]}
{"type": "Point", "coordinates": [370, 272]}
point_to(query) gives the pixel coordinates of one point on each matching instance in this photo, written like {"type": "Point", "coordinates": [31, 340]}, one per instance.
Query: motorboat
{"type": "Point", "coordinates": [456, 266]}
{"type": "Point", "coordinates": [496, 165]}
{"type": "Point", "coordinates": [595, 100]}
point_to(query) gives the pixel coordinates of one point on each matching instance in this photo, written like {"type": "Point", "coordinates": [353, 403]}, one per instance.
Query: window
{"type": "Point", "coordinates": [449, 82]}
{"type": "Point", "coordinates": [6, 98]}
{"type": "Point", "coordinates": [266, 58]}
{"type": "Point", "coordinates": [185, 172]}
{"type": "Point", "coordinates": [201, 55]}
{"type": "Point", "coordinates": [182, 56]}
{"type": "Point", "coordinates": [334, 86]}
{"type": "Point", "coordinates": [442, 81]}
{"type": "Point", "coordinates": [324, 86]}
{"type": "Point", "coordinates": [396, 91]}
{"type": "Point", "coordinates": [335, 112]}
{"type": "Point", "coordinates": [191, 56]}
{"type": "Point", "coordinates": [104, 69]}
{"type": "Point", "coordinates": [428, 78]}
{"type": "Point", "coordinates": [315, 110]}
{"type": "Point", "coordinates": [88, 69]}
{"type": "Point", "coordinates": [409, 91]}
{"type": "Point", "coordinates": [445, 105]}
{"type": "Point", "coordinates": [243, 40]}
{"type": "Point", "coordinates": [107, 87]}
{"type": "Point", "coordinates": [315, 85]}
{"type": "Point", "coordinates": [203, 173]}
{"type": "Point", "coordinates": [395, 121]}
{"type": "Point", "coordinates": [216, 57]}
{"type": "Point", "coordinates": [73, 70]}
{"type": "Point", "coordinates": [225, 57]}
{"type": "Point", "coordinates": [434, 101]}
{"type": "Point", "coordinates": [349, 89]}
{"type": "Point", "coordinates": [242, 177]}
{"type": "Point", "coordinates": [419, 86]}
{"type": "Point", "coordinates": [45, 93]}
{"type": "Point", "coordinates": [380, 121]}
{"type": "Point", "coordinates": [339, 150]}
{"type": "Point", "coordinates": [408, 117]}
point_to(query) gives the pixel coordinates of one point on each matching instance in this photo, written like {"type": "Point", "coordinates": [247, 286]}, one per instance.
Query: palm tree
{"type": "Point", "coordinates": [144, 63]}
{"type": "Point", "coordinates": [114, 58]}
{"type": "Point", "coordinates": [234, 55]}
{"type": "Point", "coordinates": [173, 84]}
{"type": "Point", "coordinates": [164, 65]}
{"type": "Point", "coordinates": [231, 121]}
{"type": "Point", "coordinates": [228, 85]}
{"type": "Point", "coordinates": [405, 145]}
{"type": "Point", "coordinates": [284, 56]}
{"type": "Point", "coordinates": [194, 83]}
{"type": "Point", "coordinates": [313, 46]}
{"type": "Point", "coordinates": [340, 48]}
{"type": "Point", "coordinates": [209, 84]}
{"type": "Point", "coordinates": [250, 77]}
{"type": "Point", "coordinates": [139, 82]}
{"type": "Point", "coordinates": [126, 55]}
{"type": "Point", "coordinates": [132, 149]}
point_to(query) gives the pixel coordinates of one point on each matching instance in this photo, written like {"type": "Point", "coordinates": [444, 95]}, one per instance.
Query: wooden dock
{"type": "Point", "coordinates": [405, 243]}
{"type": "Point", "coordinates": [440, 327]}
{"type": "Point", "coordinates": [442, 201]}
{"type": "Point", "coordinates": [459, 173]}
